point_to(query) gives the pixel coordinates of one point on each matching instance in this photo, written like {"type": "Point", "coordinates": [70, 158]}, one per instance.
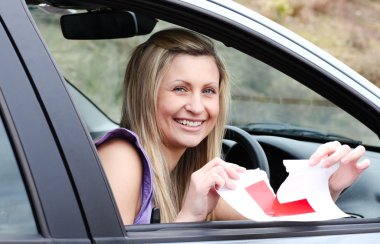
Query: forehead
{"type": "Point", "coordinates": [191, 65]}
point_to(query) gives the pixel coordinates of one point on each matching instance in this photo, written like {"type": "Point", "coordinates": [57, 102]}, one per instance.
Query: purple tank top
{"type": "Point", "coordinates": [145, 212]}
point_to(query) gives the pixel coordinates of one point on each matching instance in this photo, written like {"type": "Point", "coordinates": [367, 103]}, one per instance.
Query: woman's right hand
{"type": "Point", "coordinates": [201, 197]}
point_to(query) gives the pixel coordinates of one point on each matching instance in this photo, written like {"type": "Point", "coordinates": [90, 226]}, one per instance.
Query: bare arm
{"type": "Point", "coordinates": [123, 169]}
{"type": "Point", "coordinates": [224, 211]}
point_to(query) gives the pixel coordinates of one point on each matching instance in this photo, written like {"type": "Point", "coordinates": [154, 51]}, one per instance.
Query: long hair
{"type": "Point", "coordinates": [143, 77]}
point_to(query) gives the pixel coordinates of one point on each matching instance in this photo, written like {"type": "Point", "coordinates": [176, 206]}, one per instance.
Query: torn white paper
{"type": "Point", "coordinates": [303, 196]}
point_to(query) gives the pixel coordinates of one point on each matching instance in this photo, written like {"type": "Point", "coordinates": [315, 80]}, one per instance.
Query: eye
{"type": "Point", "coordinates": [209, 91]}
{"type": "Point", "coordinates": [179, 89]}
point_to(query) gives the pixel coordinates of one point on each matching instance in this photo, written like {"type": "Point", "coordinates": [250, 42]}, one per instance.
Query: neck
{"type": "Point", "coordinates": [172, 156]}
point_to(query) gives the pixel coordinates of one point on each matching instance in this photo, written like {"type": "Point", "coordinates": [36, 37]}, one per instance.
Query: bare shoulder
{"type": "Point", "coordinates": [119, 157]}
{"type": "Point", "coordinates": [119, 150]}
{"type": "Point", "coordinates": [123, 167]}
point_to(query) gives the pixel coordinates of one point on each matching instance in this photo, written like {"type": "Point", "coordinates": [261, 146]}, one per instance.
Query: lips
{"type": "Point", "coordinates": [189, 123]}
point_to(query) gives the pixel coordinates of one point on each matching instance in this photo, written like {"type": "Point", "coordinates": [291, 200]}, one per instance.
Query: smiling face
{"type": "Point", "coordinates": [188, 101]}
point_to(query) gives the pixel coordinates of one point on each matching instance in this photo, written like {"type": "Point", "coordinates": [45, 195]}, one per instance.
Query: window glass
{"type": "Point", "coordinates": [16, 215]}
{"type": "Point", "coordinates": [260, 93]}
{"type": "Point", "coordinates": [95, 67]}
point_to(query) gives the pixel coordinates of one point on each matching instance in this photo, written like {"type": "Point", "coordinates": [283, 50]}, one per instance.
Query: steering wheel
{"type": "Point", "coordinates": [247, 151]}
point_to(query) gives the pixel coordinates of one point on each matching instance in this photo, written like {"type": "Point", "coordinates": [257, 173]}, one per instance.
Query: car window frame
{"type": "Point", "coordinates": [40, 161]}
{"type": "Point", "coordinates": [71, 138]}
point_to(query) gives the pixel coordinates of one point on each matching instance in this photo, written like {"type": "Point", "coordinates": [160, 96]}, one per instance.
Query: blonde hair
{"type": "Point", "coordinates": [143, 76]}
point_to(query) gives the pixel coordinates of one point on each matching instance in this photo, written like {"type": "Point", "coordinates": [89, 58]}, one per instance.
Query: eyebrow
{"type": "Point", "coordinates": [189, 83]}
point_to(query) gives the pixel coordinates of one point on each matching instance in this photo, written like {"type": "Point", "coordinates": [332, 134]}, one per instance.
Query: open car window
{"type": "Point", "coordinates": [265, 102]}
{"type": "Point", "coordinates": [271, 100]}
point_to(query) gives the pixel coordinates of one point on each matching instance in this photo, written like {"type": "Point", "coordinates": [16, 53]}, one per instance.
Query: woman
{"type": "Point", "coordinates": [176, 95]}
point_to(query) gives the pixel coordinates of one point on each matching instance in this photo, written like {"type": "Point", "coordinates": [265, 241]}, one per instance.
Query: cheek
{"type": "Point", "coordinates": [166, 108]}
{"type": "Point", "coordinates": [162, 112]}
{"type": "Point", "coordinates": [214, 109]}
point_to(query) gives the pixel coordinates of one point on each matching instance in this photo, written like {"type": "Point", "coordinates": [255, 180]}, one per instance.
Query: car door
{"type": "Point", "coordinates": [68, 197]}
{"type": "Point", "coordinates": [32, 152]}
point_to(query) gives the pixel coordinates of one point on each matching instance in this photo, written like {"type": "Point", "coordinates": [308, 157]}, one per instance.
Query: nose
{"type": "Point", "coordinates": [195, 104]}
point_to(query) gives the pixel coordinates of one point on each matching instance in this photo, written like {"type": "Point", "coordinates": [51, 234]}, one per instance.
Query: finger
{"type": "Point", "coordinates": [221, 171]}
{"type": "Point", "coordinates": [361, 166]}
{"type": "Point", "coordinates": [323, 151]}
{"type": "Point", "coordinates": [340, 153]}
{"type": "Point", "coordinates": [214, 162]}
{"type": "Point", "coordinates": [230, 184]}
{"type": "Point", "coordinates": [233, 170]}
{"type": "Point", "coordinates": [218, 181]}
{"type": "Point", "coordinates": [202, 183]}
{"type": "Point", "coordinates": [354, 155]}
{"type": "Point", "coordinates": [239, 168]}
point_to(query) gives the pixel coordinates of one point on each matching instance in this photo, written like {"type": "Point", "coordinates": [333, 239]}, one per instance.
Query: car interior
{"type": "Point", "coordinates": [274, 115]}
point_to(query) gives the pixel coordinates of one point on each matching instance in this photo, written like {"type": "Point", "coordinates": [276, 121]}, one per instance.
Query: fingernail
{"type": "Point", "coordinates": [360, 165]}
{"type": "Point", "coordinates": [363, 164]}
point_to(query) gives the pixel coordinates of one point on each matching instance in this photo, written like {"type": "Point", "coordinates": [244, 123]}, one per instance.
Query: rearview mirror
{"type": "Point", "coordinates": [105, 25]}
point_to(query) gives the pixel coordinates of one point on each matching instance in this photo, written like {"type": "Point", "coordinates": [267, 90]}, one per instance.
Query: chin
{"type": "Point", "coordinates": [192, 143]}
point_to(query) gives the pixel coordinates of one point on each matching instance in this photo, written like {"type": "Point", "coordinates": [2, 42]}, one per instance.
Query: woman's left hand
{"type": "Point", "coordinates": [349, 169]}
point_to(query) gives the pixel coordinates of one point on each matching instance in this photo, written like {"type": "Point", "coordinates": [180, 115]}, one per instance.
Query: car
{"type": "Point", "coordinates": [61, 71]}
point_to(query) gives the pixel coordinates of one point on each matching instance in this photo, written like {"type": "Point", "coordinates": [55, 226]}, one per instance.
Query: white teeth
{"type": "Point", "coordinates": [190, 123]}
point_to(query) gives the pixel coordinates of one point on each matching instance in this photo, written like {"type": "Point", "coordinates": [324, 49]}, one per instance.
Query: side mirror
{"type": "Point", "coordinates": [105, 25]}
